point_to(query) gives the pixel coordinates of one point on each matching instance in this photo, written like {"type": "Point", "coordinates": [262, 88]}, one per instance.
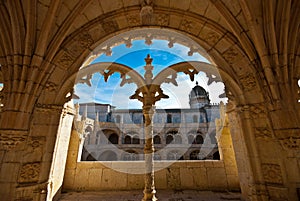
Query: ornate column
{"type": "Point", "coordinates": [149, 190]}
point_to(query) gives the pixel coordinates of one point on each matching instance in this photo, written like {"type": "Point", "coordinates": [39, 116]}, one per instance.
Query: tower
{"type": "Point", "coordinates": [198, 97]}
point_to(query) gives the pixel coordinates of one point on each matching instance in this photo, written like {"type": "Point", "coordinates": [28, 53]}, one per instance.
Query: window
{"type": "Point", "coordinates": [195, 155]}
{"type": "Point", "coordinates": [113, 138]}
{"type": "Point", "coordinates": [169, 139]}
{"type": "Point", "coordinates": [178, 139]}
{"type": "Point", "coordinates": [169, 118]}
{"type": "Point", "coordinates": [156, 140]}
{"type": "Point", "coordinates": [198, 140]}
{"type": "Point", "coordinates": [127, 139]}
{"type": "Point", "coordinates": [195, 119]}
{"type": "Point", "coordinates": [136, 140]}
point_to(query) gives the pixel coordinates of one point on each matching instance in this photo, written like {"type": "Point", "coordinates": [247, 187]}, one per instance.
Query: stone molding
{"type": "Point", "coordinates": [10, 139]}
{"type": "Point", "coordinates": [48, 108]}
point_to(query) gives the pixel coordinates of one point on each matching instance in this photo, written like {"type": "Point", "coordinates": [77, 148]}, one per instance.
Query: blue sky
{"type": "Point", "coordinates": [110, 92]}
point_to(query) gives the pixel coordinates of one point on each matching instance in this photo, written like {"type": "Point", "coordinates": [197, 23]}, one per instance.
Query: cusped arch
{"type": "Point", "coordinates": [225, 58]}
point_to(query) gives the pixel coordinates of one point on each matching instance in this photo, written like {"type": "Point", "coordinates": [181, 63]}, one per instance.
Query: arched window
{"type": "Point", "coordinates": [127, 139]}
{"type": "Point", "coordinates": [195, 119]}
{"type": "Point", "coordinates": [169, 118]}
{"type": "Point", "coordinates": [135, 140]}
{"type": "Point", "coordinates": [156, 140]}
{"type": "Point", "coordinates": [195, 155]}
{"type": "Point", "coordinates": [113, 138]}
{"type": "Point", "coordinates": [169, 139]}
{"type": "Point", "coordinates": [198, 140]}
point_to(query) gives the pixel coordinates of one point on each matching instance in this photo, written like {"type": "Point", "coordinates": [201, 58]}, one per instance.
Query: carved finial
{"type": "Point", "coordinates": [148, 60]}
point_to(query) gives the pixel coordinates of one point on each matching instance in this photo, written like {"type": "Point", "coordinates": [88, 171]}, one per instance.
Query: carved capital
{"type": "Point", "coordinates": [10, 139]}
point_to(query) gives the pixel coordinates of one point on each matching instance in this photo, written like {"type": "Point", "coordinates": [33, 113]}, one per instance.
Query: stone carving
{"type": "Point", "coordinates": [277, 193]}
{"type": "Point", "coordinates": [47, 108]}
{"type": "Point", "coordinates": [85, 40]}
{"type": "Point", "coordinates": [65, 61]}
{"type": "Point", "coordinates": [230, 55]}
{"type": "Point", "coordinates": [263, 132]}
{"type": "Point", "coordinates": [29, 173]}
{"type": "Point", "coordinates": [147, 12]}
{"type": "Point", "coordinates": [211, 38]}
{"type": "Point", "coordinates": [133, 20]}
{"type": "Point", "coordinates": [110, 26]}
{"type": "Point", "coordinates": [51, 87]}
{"type": "Point", "coordinates": [291, 143]}
{"type": "Point", "coordinates": [255, 110]}
{"type": "Point", "coordinates": [272, 173]}
{"type": "Point", "coordinates": [36, 142]}
{"type": "Point", "coordinates": [10, 139]}
{"type": "Point", "coordinates": [163, 19]}
{"type": "Point", "coordinates": [248, 82]}
{"type": "Point", "coordinates": [186, 25]}
{"type": "Point", "coordinates": [68, 110]}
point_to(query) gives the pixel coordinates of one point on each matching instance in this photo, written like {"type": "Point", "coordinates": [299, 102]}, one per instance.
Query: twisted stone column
{"type": "Point", "coordinates": [149, 190]}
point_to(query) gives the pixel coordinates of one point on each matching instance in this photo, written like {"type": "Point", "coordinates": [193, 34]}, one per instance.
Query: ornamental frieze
{"type": "Point", "coordinates": [290, 143]}
{"type": "Point", "coordinates": [65, 60]}
{"type": "Point", "coordinates": [163, 19]}
{"type": "Point", "coordinates": [48, 108]}
{"type": "Point", "coordinates": [134, 20]}
{"type": "Point", "coordinates": [110, 26]}
{"type": "Point", "coordinates": [85, 40]}
{"type": "Point", "coordinates": [263, 133]}
{"type": "Point", "coordinates": [29, 173]}
{"type": "Point", "coordinates": [186, 25]}
{"type": "Point", "coordinates": [11, 139]}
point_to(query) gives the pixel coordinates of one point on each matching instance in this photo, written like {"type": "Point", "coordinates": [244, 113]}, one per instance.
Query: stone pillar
{"type": "Point", "coordinates": [149, 190]}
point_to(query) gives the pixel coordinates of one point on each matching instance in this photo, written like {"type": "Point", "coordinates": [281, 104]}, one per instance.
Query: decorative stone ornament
{"type": "Point", "coordinates": [147, 12]}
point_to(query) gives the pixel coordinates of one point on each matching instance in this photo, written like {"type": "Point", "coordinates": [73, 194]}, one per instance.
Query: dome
{"type": "Point", "coordinates": [198, 91]}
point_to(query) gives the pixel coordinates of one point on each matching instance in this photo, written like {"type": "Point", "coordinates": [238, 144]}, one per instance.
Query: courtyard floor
{"type": "Point", "coordinates": [162, 195]}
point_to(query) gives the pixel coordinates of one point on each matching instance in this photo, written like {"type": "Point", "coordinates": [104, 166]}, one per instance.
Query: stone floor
{"type": "Point", "coordinates": [162, 195]}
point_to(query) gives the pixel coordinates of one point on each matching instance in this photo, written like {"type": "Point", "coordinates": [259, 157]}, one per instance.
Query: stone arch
{"type": "Point", "coordinates": [236, 70]}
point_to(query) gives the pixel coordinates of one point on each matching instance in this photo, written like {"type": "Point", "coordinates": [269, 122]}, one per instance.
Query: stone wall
{"type": "Point", "coordinates": [122, 175]}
